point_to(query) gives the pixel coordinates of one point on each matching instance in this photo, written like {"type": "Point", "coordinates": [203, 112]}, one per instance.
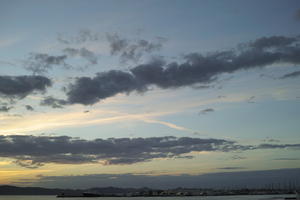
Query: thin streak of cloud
{"type": "Point", "coordinates": [106, 113]}
{"type": "Point", "coordinates": [287, 159]}
{"type": "Point", "coordinates": [207, 110]}
{"type": "Point", "coordinates": [251, 99]}
{"type": "Point", "coordinates": [291, 75]}
{"type": "Point", "coordinates": [231, 168]}
{"type": "Point", "coordinates": [55, 120]}
{"type": "Point", "coordinates": [170, 125]}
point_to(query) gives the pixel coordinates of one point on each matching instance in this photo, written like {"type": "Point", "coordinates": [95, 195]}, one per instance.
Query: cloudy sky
{"type": "Point", "coordinates": [103, 93]}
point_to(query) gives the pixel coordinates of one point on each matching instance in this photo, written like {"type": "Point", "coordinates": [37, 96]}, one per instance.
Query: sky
{"type": "Point", "coordinates": [114, 93]}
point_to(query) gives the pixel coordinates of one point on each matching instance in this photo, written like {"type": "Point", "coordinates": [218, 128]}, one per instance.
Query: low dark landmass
{"type": "Point", "coordinates": [13, 190]}
{"type": "Point", "coordinates": [113, 191]}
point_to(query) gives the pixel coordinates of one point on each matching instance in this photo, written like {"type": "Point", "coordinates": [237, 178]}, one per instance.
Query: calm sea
{"type": "Point", "coordinates": [253, 197]}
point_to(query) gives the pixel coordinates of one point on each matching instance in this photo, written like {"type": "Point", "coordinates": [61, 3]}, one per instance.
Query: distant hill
{"type": "Point", "coordinates": [14, 190]}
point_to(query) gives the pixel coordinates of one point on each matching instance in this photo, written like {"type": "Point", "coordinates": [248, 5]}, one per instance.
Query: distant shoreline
{"type": "Point", "coordinates": [138, 192]}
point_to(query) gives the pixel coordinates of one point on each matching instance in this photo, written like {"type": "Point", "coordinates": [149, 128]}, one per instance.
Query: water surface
{"type": "Point", "coordinates": [245, 197]}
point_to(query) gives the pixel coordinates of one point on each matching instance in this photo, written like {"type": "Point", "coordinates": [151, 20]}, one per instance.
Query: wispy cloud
{"type": "Point", "coordinates": [8, 42]}
{"type": "Point", "coordinates": [55, 120]}
{"type": "Point", "coordinates": [170, 125]}
{"type": "Point", "coordinates": [251, 99]}
{"type": "Point", "coordinates": [41, 63]}
{"type": "Point", "coordinates": [83, 52]}
{"type": "Point", "coordinates": [84, 35]}
{"type": "Point", "coordinates": [132, 50]}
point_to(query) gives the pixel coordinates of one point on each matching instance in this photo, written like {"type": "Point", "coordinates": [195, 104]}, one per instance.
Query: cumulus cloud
{"type": "Point", "coordinates": [207, 110]}
{"type": "Point", "coordinates": [196, 69]}
{"type": "Point", "coordinates": [291, 75]}
{"type": "Point", "coordinates": [21, 86]}
{"type": "Point", "coordinates": [40, 63]}
{"type": "Point", "coordinates": [132, 50]}
{"type": "Point", "coordinates": [38, 150]}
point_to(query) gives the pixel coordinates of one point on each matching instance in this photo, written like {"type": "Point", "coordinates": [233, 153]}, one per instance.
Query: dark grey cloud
{"type": "Point", "coordinates": [273, 42]}
{"type": "Point", "coordinates": [129, 50]}
{"type": "Point", "coordinates": [34, 151]}
{"type": "Point", "coordinates": [53, 102]}
{"type": "Point", "coordinates": [88, 90]}
{"type": "Point", "coordinates": [90, 56]}
{"type": "Point", "coordinates": [5, 108]}
{"type": "Point", "coordinates": [40, 63]}
{"type": "Point", "coordinates": [291, 75]}
{"type": "Point", "coordinates": [29, 108]}
{"type": "Point", "coordinates": [21, 86]}
{"type": "Point", "coordinates": [207, 110]}
{"type": "Point", "coordinates": [84, 35]}
{"type": "Point", "coordinates": [196, 69]}
{"type": "Point", "coordinates": [237, 179]}
{"type": "Point", "coordinates": [277, 146]}
{"type": "Point", "coordinates": [231, 168]}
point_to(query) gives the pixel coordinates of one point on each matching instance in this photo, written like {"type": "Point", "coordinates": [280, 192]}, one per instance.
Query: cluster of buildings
{"type": "Point", "coordinates": [198, 192]}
